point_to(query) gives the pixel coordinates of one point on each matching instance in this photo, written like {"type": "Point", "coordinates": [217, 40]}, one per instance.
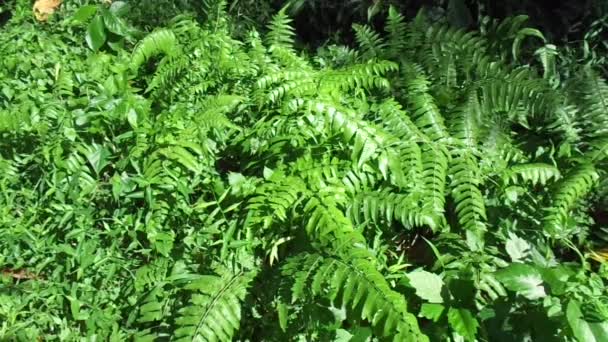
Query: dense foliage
{"type": "Point", "coordinates": [190, 182]}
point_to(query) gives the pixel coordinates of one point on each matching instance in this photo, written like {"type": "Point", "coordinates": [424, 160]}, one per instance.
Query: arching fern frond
{"type": "Point", "coordinates": [159, 41]}
{"type": "Point", "coordinates": [575, 186]}
{"type": "Point", "coordinates": [435, 161]}
{"type": "Point", "coordinates": [535, 173]}
{"type": "Point", "coordinates": [469, 201]}
{"type": "Point", "coordinates": [422, 104]}
{"type": "Point", "coordinates": [213, 312]}
{"type": "Point", "coordinates": [384, 206]}
{"type": "Point", "coordinates": [594, 115]}
{"type": "Point", "coordinates": [369, 141]}
{"type": "Point", "coordinates": [281, 34]}
{"type": "Point", "coordinates": [370, 42]}
{"type": "Point", "coordinates": [466, 176]}
{"type": "Point", "coordinates": [357, 286]}
{"type": "Point", "coordinates": [396, 30]}
{"type": "Point", "coordinates": [564, 122]}
{"type": "Point", "coordinates": [275, 199]}
{"type": "Point", "coordinates": [348, 274]}
{"type": "Point", "coordinates": [364, 75]}
{"type": "Point", "coordinates": [167, 72]}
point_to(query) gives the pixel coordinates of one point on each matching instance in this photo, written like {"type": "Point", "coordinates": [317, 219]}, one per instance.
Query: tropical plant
{"type": "Point", "coordinates": [192, 186]}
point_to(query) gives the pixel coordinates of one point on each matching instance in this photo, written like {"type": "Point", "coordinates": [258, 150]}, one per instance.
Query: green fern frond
{"type": "Point", "coordinates": [384, 207]}
{"type": "Point", "coordinates": [160, 41]}
{"type": "Point", "coordinates": [449, 53]}
{"type": "Point", "coordinates": [369, 142]}
{"type": "Point", "coordinates": [213, 313]}
{"type": "Point", "coordinates": [356, 181]}
{"type": "Point", "coordinates": [397, 122]}
{"type": "Point", "coordinates": [469, 201]}
{"type": "Point", "coordinates": [274, 200]}
{"type": "Point", "coordinates": [575, 186]}
{"type": "Point", "coordinates": [423, 107]}
{"type": "Point", "coordinates": [152, 307]}
{"type": "Point", "coordinates": [359, 76]}
{"type": "Point", "coordinates": [598, 150]}
{"type": "Point", "coordinates": [348, 275]}
{"type": "Point", "coordinates": [396, 30]}
{"type": "Point", "coordinates": [370, 42]}
{"type": "Point", "coordinates": [564, 122]}
{"type": "Point", "coordinates": [183, 157]}
{"type": "Point", "coordinates": [435, 161]}
{"type": "Point", "coordinates": [465, 125]}
{"type": "Point", "coordinates": [519, 98]}
{"type": "Point", "coordinates": [466, 176]}
{"type": "Point", "coordinates": [214, 109]}
{"type": "Point", "coordinates": [535, 173]}
{"type": "Point", "coordinates": [13, 121]}
{"type": "Point", "coordinates": [594, 115]}
{"type": "Point", "coordinates": [286, 75]}
{"type": "Point", "coordinates": [356, 285]}
{"type": "Point", "coordinates": [151, 275]}
{"type": "Point", "coordinates": [281, 34]}
{"type": "Point", "coordinates": [167, 72]}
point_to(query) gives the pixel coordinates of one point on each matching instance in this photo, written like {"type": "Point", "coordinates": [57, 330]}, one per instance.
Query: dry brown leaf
{"type": "Point", "coordinates": [18, 274]}
{"type": "Point", "coordinates": [44, 8]}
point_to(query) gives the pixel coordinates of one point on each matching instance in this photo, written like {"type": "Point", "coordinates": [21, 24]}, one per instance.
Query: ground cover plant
{"type": "Point", "coordinates": [188, 182]}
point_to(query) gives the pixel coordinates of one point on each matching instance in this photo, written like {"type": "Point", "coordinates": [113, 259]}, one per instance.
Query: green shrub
{"type": "Point", "coordinates": [191, 186]}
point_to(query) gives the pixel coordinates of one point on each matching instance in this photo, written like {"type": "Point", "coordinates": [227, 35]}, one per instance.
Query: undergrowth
{"type": "Point", "coordinates": [183, 184]}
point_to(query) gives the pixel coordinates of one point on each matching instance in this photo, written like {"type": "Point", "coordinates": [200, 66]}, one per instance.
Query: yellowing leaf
{"type": "Point", "coordinates": [600, 255]}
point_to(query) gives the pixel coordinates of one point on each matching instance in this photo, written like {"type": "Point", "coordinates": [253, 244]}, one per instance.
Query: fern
{"type": "Point", "coordinates": [357, 286]}
{"type": "Point", "coordinates": [161, 41]}
{"type": "Point", "coordinates": [535, 173]}
{"type": "Point", "coordinates": [384, 207]}
{"type": "Point", "coordinates": [370, 42]}
{"type": "Point", "coordinates": [571, 189]}
{"type": "Point", "coordinates": [354, 276]}
{"type": "Point", "coordinates": [280, 33]}
{"type": "Point", "coordinates": [216, 183]}
{"type": "Point", "coordinates": [214, 311]}
{"type": "Point", "coordinates": [423, 106]}
{"type": "Point", "coordinates": [396, 30]}
{"type": "Point", "coordinates": [595, 107]}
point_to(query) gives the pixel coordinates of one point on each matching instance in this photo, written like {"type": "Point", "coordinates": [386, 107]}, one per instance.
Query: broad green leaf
{"type": "Point", "coordinates": [431, 311]}
{"type": "Point", "coordinates": [97, 155]}
{"type": "Point", "coordinates": [132, 117]}
{"type": "Point", "coordinates": [84, 13]}
{"type": "Point", "coordinates": [427, 285]}
{"type": "Point", "coordinates": [119, 8]}
{"type": "Point", "coordinates": [70, 133]}
{"type": "Point", "coordinates": [517, 248]}
{"type": "Point", "coordinates": [96, 34]}
{"type": "Point", "coordinates": [361, 334]}
{"type": "Point", "coordinates": [524, 279]}
{"type": "Point", "coordinates": [557, 278]}
{"type": "Point", "coordinates": [114, 24]}
{"type": "Point", "coordinates": [463, 322]}
{"type": "Point", "coordinates": [343, 336]}
{"type": "Point", "coordinates": [282, 312]}
{"type": "Point", "coordinates": [585, 331]}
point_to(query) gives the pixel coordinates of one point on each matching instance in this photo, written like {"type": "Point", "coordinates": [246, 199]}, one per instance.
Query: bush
{"type": "Point", "coordinates": [183, 184]}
